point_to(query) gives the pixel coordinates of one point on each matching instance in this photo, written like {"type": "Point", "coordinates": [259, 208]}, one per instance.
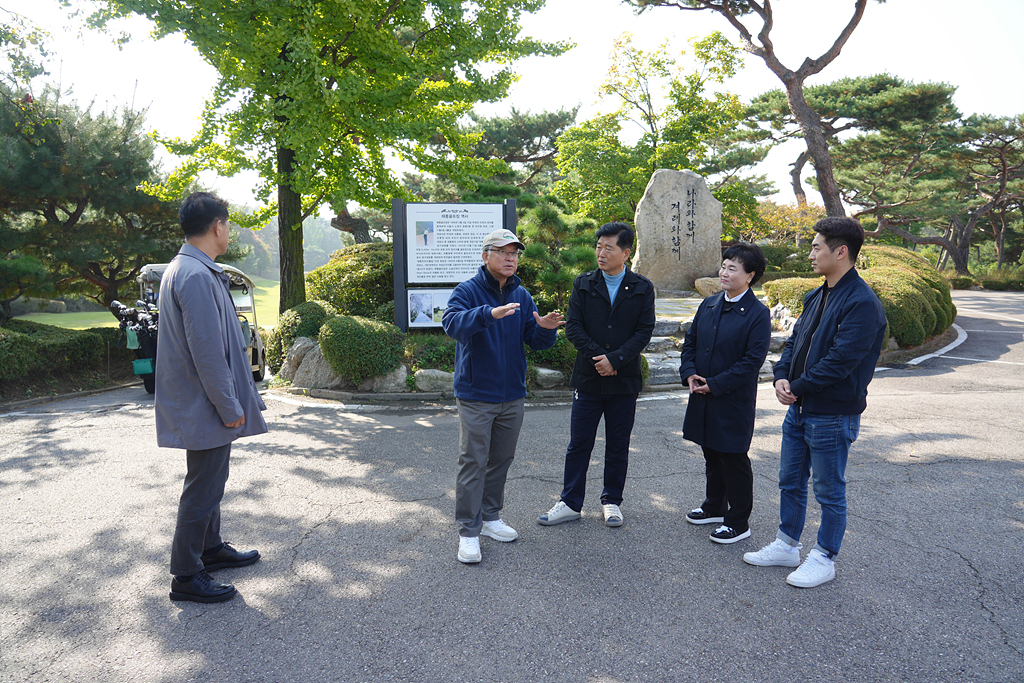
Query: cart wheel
{"type": "Point", "coordinates": [148, 382]}
{"type": "Point", "coordinates": [258, 375]}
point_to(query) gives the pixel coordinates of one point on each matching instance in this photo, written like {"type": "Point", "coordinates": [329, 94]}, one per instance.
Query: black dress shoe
{"type": "Point", "coordinates": [202, 588]}
{"type": "Point", "coordinates": [227, 557]}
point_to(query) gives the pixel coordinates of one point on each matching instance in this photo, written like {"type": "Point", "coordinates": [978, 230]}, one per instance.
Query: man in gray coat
{"type": "Point", "coordinates": [205, 396]}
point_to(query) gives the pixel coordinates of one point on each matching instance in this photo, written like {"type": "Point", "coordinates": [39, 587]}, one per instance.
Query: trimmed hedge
{"type": "Point", "coordinates": [358, 281]}
{"type": "Point", "coordinates": [357, 348]}
{"type": "Point", "coordinates": [915, 297]}
{"type": "Point", "coordinates": [303, 320]}
{"type": "Point", "coordinates": [29, 348]}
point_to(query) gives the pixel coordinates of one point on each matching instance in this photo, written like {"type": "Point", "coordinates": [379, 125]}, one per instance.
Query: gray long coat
{"type": "Point", "coordinates": [729, 351]}
{"type": "Point", "coordinates": [203, 376]}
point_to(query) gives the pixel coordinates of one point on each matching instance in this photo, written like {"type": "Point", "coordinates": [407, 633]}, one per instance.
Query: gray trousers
{"type": "Point", "coordinates": [488, 433]}
{"type": "Point", "coordinates": [198, 526]}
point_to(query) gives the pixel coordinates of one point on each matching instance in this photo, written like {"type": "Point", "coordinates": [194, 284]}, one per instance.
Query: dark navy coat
{"type": "Point", "coordinates": [842, 351]}
{"type": "Point", "coordinates": [728, 350]}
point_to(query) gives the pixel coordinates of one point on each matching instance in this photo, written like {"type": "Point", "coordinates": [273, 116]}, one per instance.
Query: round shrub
{"type": "Point", "coordinates": [561, 356]}
{"type": "Point", "coordinates": [790, 292]}
{"type": "Point", "coordinates": [357, 281]}
{"type": "Point", "coordinates": [911, 319]}
{"type": "Point", "coordinates": [357, 348]}
{"type": "Point", "coordinates": [916, 299]}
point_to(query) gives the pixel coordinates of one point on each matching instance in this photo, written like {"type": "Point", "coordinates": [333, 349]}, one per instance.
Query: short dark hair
{"type": "Point", "coordinates": [839, 230]}
{"type": "Point", "coordinates": [751, 256]}
{"type": "Point", "coordinates": [624, 232]}
{"type": "Point", "coordinates": [200, 211]}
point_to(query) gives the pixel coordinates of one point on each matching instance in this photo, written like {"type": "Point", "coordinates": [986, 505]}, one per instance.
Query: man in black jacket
{"type": "Point", "coordinates": [610, 321]}
{"type": "Point", "coordinates": [823, 377]}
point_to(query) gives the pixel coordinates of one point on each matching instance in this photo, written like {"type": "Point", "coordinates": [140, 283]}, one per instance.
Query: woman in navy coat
{"type": "Point", "coordinates": [723, 352]}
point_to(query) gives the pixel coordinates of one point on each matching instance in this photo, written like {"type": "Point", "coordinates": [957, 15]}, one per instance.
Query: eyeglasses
{"type": "Point", "coordinates": [507, 255]}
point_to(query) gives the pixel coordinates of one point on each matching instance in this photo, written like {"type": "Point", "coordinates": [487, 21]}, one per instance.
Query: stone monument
{"type": "Point", "coordinates": [679, 224]}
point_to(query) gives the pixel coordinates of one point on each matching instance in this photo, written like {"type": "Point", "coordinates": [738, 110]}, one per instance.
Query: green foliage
{"type": "Point", "coordinates": [867, 104]}
{"type": "Point", "coordinates": [778, 257]}
{"type": "Point", "coordinates": [645, 370]}
{"type": "Point", "coordinates": [72, 175]}
{"type": "Point", "coordinates": [318, 97]}
{"type": "Point", "coordinates": [430, 350]}
{"type": "Point", "coordinates": [790, 292]}
{"type": "Point", "coordinates": [558, 248]}
{"type": "Point", "coordinates": [358, 348]}
{"type": "Point", "coordinates": [304, 320]}
{"type": "Point", "coordinates": [915, 297]}
{"type": "Point", "coordinates": [358, 281]}
{"type": "Point", "coordinates": [561, 356]}
{"type": "Point", "coordinates": [961, 282]}
{"type": "Point", "coordinates": [33, 348]}
{"type": "Point", "coordinates": [604, 177]}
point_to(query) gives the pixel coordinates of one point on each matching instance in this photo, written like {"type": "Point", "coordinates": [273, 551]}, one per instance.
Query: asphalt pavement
{"type": "Point", "coordinates": [352, 508]}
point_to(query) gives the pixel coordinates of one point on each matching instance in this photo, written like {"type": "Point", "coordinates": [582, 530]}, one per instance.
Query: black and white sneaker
{"type": "Point", "coordinates": [698, 516]}
{"type": "Point", "coordinates": [726, 534]}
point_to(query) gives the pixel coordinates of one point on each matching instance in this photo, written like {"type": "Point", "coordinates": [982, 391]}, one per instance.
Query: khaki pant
{"type": "Point", "coordinates": [488, 433]}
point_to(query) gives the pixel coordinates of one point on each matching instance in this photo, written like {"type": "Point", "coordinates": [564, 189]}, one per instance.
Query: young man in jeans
{"type": "Point", "coordinates": [823, 377]}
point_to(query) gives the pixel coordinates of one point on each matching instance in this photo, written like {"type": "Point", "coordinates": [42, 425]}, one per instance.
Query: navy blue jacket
{"type": "Point", "coordinates": [728, 351]}
{"type": "Point", "coordinates": [620, 332]}
{"type": "Point", "coordinates": [490, 361]}
{"type": "Point", "coordinates": [843, 349]}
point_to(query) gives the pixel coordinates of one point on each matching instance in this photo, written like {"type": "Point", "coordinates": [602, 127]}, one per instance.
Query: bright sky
{"type": "Point", "coordinates": [975, 46]}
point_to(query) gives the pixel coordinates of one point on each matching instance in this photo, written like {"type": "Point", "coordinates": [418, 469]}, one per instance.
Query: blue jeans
{"type": "Point", "coordinates": [818, 444]}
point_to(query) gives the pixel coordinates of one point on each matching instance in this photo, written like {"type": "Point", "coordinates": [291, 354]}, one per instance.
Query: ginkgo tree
{"type": "Point", "coordinates": [318, 96]}
{"type": "Point", "coordinates": [676, 112]}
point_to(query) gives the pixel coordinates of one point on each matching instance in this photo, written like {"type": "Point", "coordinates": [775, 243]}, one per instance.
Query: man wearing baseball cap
{"type": "Point", "coordinates": [491, 316]}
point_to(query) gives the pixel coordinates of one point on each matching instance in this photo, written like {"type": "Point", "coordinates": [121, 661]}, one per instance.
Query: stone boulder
{"type": "Point", "coordinates": [435, 381]}
{"type": "Point", "coordinates": [548, 378]}
{"type": "Point", "coordinates": [665, 328]}
{"type": "Point", "coordinates": [679, 228]}
{"type": "Point", "coordinates": [658, 344]}
{"type": "Point", "coordinates": [293, 359]}
{"type": "Point", "coordinates": [707, 286]}
{"type": "Point", "coordinates": [316, 373]}
{"type": "Point", "coordinates": [391, 383]}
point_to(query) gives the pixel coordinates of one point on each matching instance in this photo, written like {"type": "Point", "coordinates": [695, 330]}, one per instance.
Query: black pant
{"type": "Point", "coordinates": [730, 487]}
{"type": "Point", "coordinates": [198, 525]}
{"type": "Point", "coordinates": [619, 411]}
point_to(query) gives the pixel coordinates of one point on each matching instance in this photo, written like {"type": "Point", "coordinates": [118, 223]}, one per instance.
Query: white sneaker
{"type": "Point", "coordinates": [558, 514]}
{"type": "Point", "coordinates": [816, 570]}
{"type": "Point", "coordinates": [778, 553]}
{"type": "Point", "coordinates": [499, 531]}
{"type": "Point", "coordinates": [612, 515]}
{"type": "Point", "coordinates": [469, 549]}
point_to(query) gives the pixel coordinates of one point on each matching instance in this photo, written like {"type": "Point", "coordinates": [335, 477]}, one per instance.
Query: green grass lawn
{"type": "Point", "coordinates": [267, 300]}
{"type": "Point", "coordinates": [73, 321]}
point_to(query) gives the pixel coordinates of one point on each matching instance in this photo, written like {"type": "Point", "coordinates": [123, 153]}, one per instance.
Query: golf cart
{"type": "Point", "coordinates": [242, 293]}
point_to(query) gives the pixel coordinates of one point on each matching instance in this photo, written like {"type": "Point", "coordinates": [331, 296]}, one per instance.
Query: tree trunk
{"type": "Point", "coordinates": [289, 234]}
{"type": "Point", "coordinates": [817, 146]}
{"type": "Point", "coordinates": [798, 185]}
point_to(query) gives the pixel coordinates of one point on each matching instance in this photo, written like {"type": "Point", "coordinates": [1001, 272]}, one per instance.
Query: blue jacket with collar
{"type": "Point", "coordinates": [842, 351]}
{"type": "Point", "coordinates": [490, 361]}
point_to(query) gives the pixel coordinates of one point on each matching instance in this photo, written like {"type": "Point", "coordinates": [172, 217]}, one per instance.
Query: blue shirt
{"type": "Point", "coordinates": [613, 282]}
